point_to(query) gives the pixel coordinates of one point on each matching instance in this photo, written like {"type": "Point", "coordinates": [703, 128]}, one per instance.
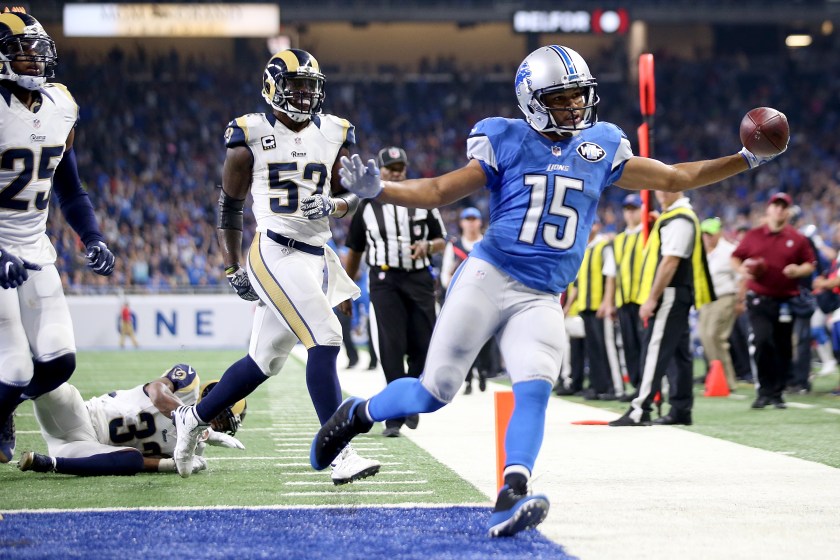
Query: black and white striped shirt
{"type": "Point", "coordinates": [388, 231]}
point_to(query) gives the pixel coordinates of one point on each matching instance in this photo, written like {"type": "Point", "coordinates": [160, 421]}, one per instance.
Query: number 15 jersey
{"type": "Point", "coordinates": [543, 196]}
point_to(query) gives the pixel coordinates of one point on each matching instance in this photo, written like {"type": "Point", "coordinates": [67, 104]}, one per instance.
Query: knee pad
{"type": "Point", "coordinates": [16, 369]}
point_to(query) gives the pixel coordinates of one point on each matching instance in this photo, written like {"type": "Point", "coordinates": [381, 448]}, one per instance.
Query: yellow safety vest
{"type": "Point", "coordinates": [629, 249]}
{"type": "Point", "coordinates": [703, 290]}
{"type": "Point", "coordinates": [591, 279]}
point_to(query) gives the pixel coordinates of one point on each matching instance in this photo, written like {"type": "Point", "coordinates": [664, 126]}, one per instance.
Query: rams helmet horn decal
{"type": "Point", "coordinates": [230, 419]}
{"type": "Point", "coordinates": [293, 84]}
{"type": "Point", "coordinates": [23, 40]}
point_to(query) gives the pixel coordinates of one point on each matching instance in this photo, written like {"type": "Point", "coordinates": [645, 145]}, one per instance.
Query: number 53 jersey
{"type": "Point", "coordinates": [31, 146]}
{"type": "Point", "coordinates": [543, 196]}
{"type": "Point", "coordinates": [288, 167]}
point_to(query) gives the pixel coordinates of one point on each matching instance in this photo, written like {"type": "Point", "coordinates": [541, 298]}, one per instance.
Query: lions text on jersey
{"type": "Point", "coordinates": [289, 166]}
{"type": "Point", "coordinates": [543, 196]}
{"type": "Point", "coordinates": [31, 146]}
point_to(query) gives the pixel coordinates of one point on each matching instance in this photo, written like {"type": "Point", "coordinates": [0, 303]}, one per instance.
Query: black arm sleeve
{"type": "Point", "coordinates": [74, 201]}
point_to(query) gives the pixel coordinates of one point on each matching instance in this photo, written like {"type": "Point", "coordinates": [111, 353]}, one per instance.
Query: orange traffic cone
{"type": "Point", "coordinates": [716, 385]}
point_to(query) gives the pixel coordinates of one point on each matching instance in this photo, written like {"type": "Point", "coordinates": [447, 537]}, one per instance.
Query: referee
{"type": "Point", "coordinates": [399, 242]}
{"type": "Point", "coordinates": [675, 276]}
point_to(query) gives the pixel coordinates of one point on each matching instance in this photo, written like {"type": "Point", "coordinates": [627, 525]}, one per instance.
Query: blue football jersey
{"type": "Point", "coordinates": [543, 196]}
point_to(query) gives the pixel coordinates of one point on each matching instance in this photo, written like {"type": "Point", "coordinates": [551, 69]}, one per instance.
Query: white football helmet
{"type": "Point", "coordinates": [22, 39]}
{"type": "Point", "coordinates": [550, 69]}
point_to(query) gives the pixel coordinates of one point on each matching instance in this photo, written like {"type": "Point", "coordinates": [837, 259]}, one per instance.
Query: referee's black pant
{"type": "Point", "coordinates": [404, 310]}
{"type": "Point", "coordinates": [773, 343]}
{"type": "Point", "coordinates": [631, 340]}
{"type": "Point", "coordinates": [667, 337]}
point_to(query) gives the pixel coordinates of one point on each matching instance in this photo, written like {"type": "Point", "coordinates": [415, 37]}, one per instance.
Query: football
{"type": "Point", "coordinates": [765, 131]}
{"type": "Point", "coordinates": [755, 266]}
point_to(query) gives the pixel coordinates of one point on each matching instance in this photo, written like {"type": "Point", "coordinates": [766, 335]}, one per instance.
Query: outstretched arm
{"type": "Point", "coordinates": [645, 173]}
{"type": "Point", "coordinates": [363, 179]}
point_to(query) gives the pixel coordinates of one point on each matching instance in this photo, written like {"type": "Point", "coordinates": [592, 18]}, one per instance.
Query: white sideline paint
{"type": "Point", "coordinates": [653, 492]}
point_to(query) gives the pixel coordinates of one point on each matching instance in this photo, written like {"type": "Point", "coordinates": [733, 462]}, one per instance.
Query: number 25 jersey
{"type": "Point", "coordinates": [31, 146]}
{"type": "Point", "coordinates": [288, 167]}
{"type": "Point", "coordinates": [543, 196]}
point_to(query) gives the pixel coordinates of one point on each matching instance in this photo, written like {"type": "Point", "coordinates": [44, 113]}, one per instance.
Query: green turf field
{"type": "Point", "coordinates": [273, 468]}
{"type": "Point", "coordinates": [809, 428]}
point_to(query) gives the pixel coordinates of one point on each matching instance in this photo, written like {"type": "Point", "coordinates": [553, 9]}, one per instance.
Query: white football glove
{"type": "Point", "coordinates": [221, 439]}
{"type": "Point", "coordinates": [239, 281]}
{"type": "Point", "coordinates": [198, 464]}
{"type": "Point", "coordinates": [358, 178]}
{"type": "Point", "coordinates": [317, 206]}
{"type": "Point", "coordinates": [754, 161]}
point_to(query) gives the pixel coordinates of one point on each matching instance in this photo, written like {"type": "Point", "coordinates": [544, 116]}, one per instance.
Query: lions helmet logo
{"type": "Point", "coordinates": [591, 152]}
{"type": "Point", "coordinates": [523, 75]}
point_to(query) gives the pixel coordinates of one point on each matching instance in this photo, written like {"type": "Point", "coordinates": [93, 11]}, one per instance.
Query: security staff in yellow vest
{"type": "Point", "coordinates": [675, 276]}
{"type": "Point", "coordinates": [628, 246]}
{"type": "Point", "coordinates": [595, 297]}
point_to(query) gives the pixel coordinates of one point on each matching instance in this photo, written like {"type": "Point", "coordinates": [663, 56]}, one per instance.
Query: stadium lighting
{"type": "Point", "coordinates": [795, 41]}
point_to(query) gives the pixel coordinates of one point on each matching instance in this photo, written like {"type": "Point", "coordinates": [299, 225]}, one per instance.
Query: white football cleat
{"type": "Point", "coordinates": [350, 466]}
{"type": "Point", "coordinates": [188, 429]}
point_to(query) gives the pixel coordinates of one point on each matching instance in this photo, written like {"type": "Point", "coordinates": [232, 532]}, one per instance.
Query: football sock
{"type": "Point", "coordinates": [322, 381]}
{"type": "Point", "coordinates": [9, 400]}
{"type": "Point", "coordinates": [401, 398]}
{"type": "Point", "coordinates": [124, 462]}
{"type": "Point", "coordinates": [47, 376]}
{"type": "Point", "coordinates": [527, 423]}
{"type": "Point", "coordinates": [239, 381]}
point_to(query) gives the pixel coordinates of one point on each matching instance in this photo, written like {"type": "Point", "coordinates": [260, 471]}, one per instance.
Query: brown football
{"type": "Point", "coordinates": [765, 131]}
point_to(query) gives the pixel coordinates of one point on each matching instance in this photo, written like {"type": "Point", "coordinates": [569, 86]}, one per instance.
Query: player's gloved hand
{"type": "Point", "coordinates": [221, 439]}
{"type": "Point", "coordinates": [359, 178]}
{"type": "Point", "coordinates": [317, 206]}
{"type": "Point", "coordinates": [239, 281]}
{"type": "Point", "coordinates": [754, 161]}
{"type": "Point", "coordinates": [198, 464]}
{"type": "Point", "coordinates": [100, 259]}
{"type": "Point", "coordinates": [13, 270]}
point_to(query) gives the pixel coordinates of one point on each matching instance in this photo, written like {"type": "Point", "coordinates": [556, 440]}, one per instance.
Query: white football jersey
{"type": "Point", "coordinates": [288, 167]}
{"type": "Point", "coordinates": [31, 146]}
{"type": "Point", "coordinates": [127, 418]}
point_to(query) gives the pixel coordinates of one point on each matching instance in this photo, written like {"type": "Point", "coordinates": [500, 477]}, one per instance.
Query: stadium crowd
{"type": "Point", "coordinates": [150, 143]}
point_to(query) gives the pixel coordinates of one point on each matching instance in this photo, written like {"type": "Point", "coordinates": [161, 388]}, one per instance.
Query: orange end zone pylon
{"type": "Point", "coordinates": [504, 410]}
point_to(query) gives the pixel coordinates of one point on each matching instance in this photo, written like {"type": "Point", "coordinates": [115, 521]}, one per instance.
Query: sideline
{"type": "Point", "coordinates": [656, 492]}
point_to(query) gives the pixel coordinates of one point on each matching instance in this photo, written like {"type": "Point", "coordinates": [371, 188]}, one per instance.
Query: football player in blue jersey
{"type": "Point", "coordinates": [544, 176]}
{"type": "Point", "coordinates": [37, 129]}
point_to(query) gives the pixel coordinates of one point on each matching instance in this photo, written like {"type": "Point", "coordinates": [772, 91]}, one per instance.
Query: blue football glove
{"type": "Point", "coordinates": [754, 161]}
{"type": "Point", "coordinates": [239, 281]}
{"type": "Point", "coordinates": [317, 206]}
{"type": "Point", "coordinates": [100, 259]}
{"type": "Point", "coordinates": [360, 179]}
{"type": "Point", "coordinates": [13, 270]}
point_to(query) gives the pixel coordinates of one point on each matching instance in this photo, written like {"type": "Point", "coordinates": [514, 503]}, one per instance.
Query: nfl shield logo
{"type": "Point", "coordinates": [36, 123]}
{"type": "Point", "coordinates": [556, 151]}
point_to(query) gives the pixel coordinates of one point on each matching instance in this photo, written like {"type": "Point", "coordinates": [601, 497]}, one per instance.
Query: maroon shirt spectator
{"type": "Point", "coordinates": [767, 293]}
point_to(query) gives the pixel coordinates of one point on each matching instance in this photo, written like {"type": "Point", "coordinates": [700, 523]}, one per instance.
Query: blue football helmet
{"type": "Point", "coordinates": [293, 84]}
{"type": "Point", "coordinates": [548, 70]}
{"type": "Point", "coordinates": [23, 39]}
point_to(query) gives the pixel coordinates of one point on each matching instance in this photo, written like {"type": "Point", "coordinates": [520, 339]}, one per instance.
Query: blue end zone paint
{"type": "Point", "coordinates": [335, 533]}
